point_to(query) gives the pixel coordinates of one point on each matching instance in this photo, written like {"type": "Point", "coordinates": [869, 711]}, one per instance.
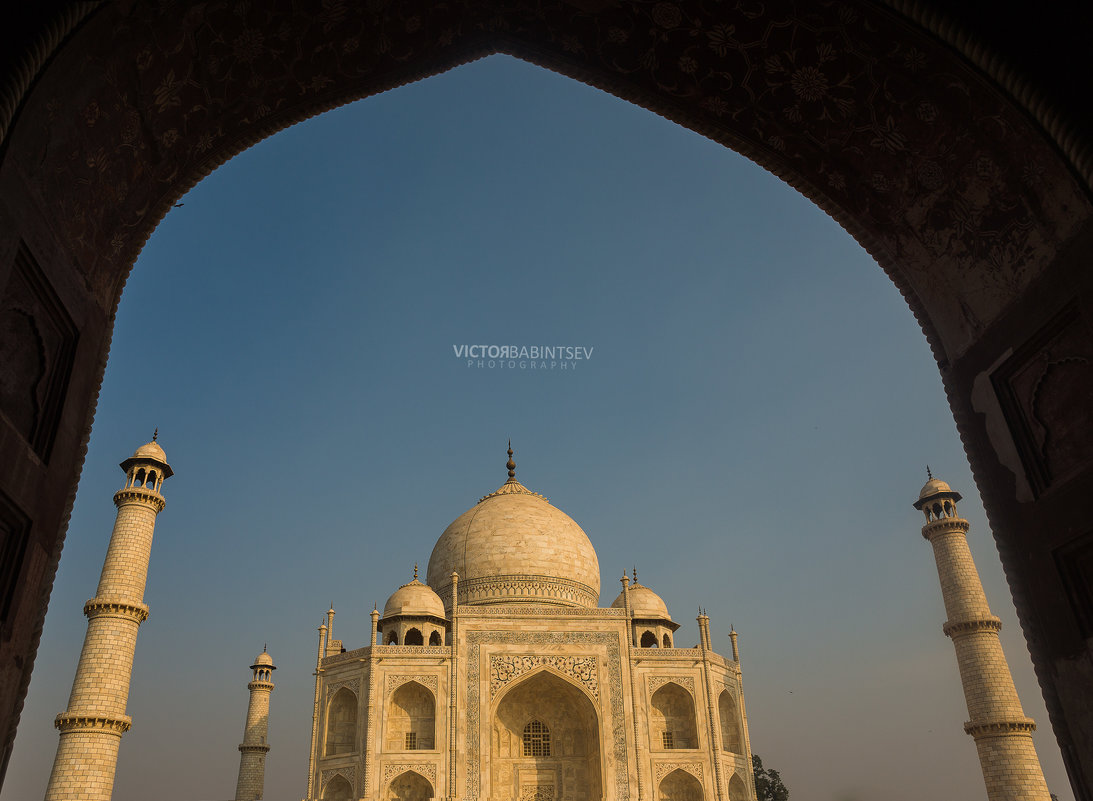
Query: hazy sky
{"type": "Point", "coordinates": [750, 430]}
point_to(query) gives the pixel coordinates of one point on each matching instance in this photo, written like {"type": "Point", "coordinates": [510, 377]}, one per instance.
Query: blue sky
{"type": "Point", "coordinates": [750, 431]}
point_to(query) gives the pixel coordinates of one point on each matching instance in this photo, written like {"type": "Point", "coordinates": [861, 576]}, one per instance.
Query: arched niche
{"type": "Point", "coordinates": [729, 715]}
{"type": "Point", "coordinates": [672, 720]}
{"type": "Point", "coordinates": [409, 786]}
{"type": "Point", "coordinates": [341, 723]}
{"type": "Point", "coordinates": [411, 719]}
{"type": "Point", "coordinates": [679, 785]}
{"type": "Point", "coordinates": [545, 733]}
{"type": "Point", "coordinates": [738, 791]}
{"type": "Point", "coordinates": [338, 789]}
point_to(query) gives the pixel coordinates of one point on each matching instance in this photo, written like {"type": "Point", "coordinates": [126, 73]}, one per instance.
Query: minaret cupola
{"type": "Point", "coordinates": [147, 467]}
{"type": "Point", "coordinates": [936, 499]}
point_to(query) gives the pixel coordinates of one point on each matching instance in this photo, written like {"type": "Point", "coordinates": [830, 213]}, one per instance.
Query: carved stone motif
{"type": "Point", "coordinates": [351, 684]}
{"type": "Point", "coordinates": [412, 650]}
{"type": "Point", "coordinates": [664, 768]}
{"type": "Point", "coordinates": [33, 380]}
{"type": "Point", "coordinates": [616, 748]}
{"type": "Point", "coordinates": [506, 667]}
{"type": "Point", "coordinates": [426, 769]}
{"type": "Point", "coordinates": [1041, 389]}
{"type": "Point", "coordinates": [394, 682]}
{"type": "Point", "coordinates": [656, 682]}
{"type": "Point", "coordinates": [537, 792]}
{"type": "Point", "coordinates": [536, 610]}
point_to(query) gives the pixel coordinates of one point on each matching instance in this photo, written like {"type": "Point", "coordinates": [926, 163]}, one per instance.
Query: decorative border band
{"type": "Point", "coordinates": [97, 724]}
{"type": "Point", "coordinates": [967, 626]}
{"type": "Point", "coordinates": [102, 607]}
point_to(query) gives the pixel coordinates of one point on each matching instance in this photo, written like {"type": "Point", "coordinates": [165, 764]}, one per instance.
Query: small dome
{"type": "Point", "coordinates": [933, 487]}
{"type": "Point", "coordinates": [263, 660]}
{"type": "Point", "coordinates": [415, 599]}
{"type": "Point", "coordinates": [644, 601]}
{"type": "Point", "coordinates": [150, 450]}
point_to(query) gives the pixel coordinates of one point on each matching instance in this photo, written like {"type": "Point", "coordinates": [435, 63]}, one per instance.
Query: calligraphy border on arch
{"type": "Point", "coordinates": [476, 639]}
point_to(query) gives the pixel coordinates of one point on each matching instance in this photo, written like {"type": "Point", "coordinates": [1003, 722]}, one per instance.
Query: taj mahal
{"type": "Point", "coordinates": [502, 677]}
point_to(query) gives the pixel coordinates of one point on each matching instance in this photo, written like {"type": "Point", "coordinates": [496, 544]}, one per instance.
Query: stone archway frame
{"type": "Point", "coordinates": [547, 664]}
{"type": "Point", "coordinates": [544, 642]}
{"type": "Point", "coordinates": [131, 112]}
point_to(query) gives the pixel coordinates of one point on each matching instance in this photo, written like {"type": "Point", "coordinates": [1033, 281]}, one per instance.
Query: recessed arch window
{"type": "Point", "coordinates": [672, 718]}
{"type": "Point", "coordinates": [648, 640]}
{"type": "Point", "coordinates": [434, 638]}
{"type": "Point", "coordinates": [413, 637]}
{"type": "Point", "coordinates": [536, 739]}
{"type": "Point", "coordinates": [341, 723]}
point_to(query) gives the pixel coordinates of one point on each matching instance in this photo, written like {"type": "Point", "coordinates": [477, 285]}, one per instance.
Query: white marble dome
{"type": "Point", "coordinates": [150, 450]}
{"type": "Point", "coordinates": [414, 599]}
{"type": "Point", "coordinates": [933, 487]}
{"type": "Point", "coordinates": [512, 547]}
{"type": "Point", "coordinates": [645, 603]}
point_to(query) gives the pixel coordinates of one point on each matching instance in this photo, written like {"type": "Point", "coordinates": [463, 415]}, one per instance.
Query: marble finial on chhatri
{"type": "Point", "coordinates": [155, 434]}
{"type": "Point", "coordinates": [415, 571]}
{"type": "Point", "coordinates": [511, 465]}
{"type": "Point", "coordinates": [929, 475]}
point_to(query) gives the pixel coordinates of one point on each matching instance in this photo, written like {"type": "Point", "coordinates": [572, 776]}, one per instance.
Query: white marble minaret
{"type": "Point", "coordinates": [253, 749]}
{"type": "Point", "coordinates": [1002, 733]}
{"type": "Point", "coordinates": [92, 725]}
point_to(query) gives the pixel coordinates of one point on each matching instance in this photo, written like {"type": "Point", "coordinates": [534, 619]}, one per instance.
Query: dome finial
{"type": "Point", "coordinates": [415, 571]}
{"type": "Point", "coordinates": [511, 465]}
{"type": "Point", "coordinates": [635, 569]}
{"type": "Point", "coordinates": [155, 434]}
{"type": "Point", "coordinates": [929, 475]}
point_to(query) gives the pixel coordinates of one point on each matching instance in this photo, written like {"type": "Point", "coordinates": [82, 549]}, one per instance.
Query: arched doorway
{"type": "Point", "coordinates": [974, 297]}
{"type": "Point", "coordinates": [545, 742]}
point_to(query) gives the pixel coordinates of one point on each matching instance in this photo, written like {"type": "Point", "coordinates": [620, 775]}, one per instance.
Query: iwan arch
{"type": "Point", "coordinates": [939, 158]}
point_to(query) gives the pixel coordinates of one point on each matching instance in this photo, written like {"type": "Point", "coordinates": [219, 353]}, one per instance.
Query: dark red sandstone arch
{"type": "Point", "coordinates": [970, 194]}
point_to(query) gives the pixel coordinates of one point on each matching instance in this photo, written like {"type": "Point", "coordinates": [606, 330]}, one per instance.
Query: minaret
{"type": "Point", "coordinates": [253, 750]}
{"type": "Point", "coordinates": [92, 725]}
{"type": "Point", "coordinates": [1002, 733]}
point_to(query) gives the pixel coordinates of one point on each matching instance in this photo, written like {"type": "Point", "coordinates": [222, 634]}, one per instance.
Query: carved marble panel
{"type": "Point", "coordinates": [656, 682]}
{"type": "Point", "coordinates": [393, 769]}
{"type": "Point", "coordinates": [33, 380]}
{"type": "Point", "coordinates": [664, 768]}
{"type": "Point", "coordinates": [394, 682]}
{"type": "Point", "coordinates": [351, 684]}
{"type": "Point", "coordinates": [506, 667]}
{"type": "Point", "coordinates": [1044, 390]}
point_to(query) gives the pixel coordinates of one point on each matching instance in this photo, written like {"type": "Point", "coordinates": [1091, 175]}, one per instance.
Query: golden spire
{"type": "Point", "coordinates": [511, 465]}
{"type": "Point", "coordinates": [415, 571]}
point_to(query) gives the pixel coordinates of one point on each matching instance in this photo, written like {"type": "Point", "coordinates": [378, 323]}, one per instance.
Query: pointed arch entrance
{"type": "Point", "coordinates": [545, 742]}
{"type": "Point", "coordinates": [961, 182]}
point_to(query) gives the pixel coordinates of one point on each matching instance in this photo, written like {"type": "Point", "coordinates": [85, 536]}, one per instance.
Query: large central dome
{"type": "Point", "coordinates": [512, 547]}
